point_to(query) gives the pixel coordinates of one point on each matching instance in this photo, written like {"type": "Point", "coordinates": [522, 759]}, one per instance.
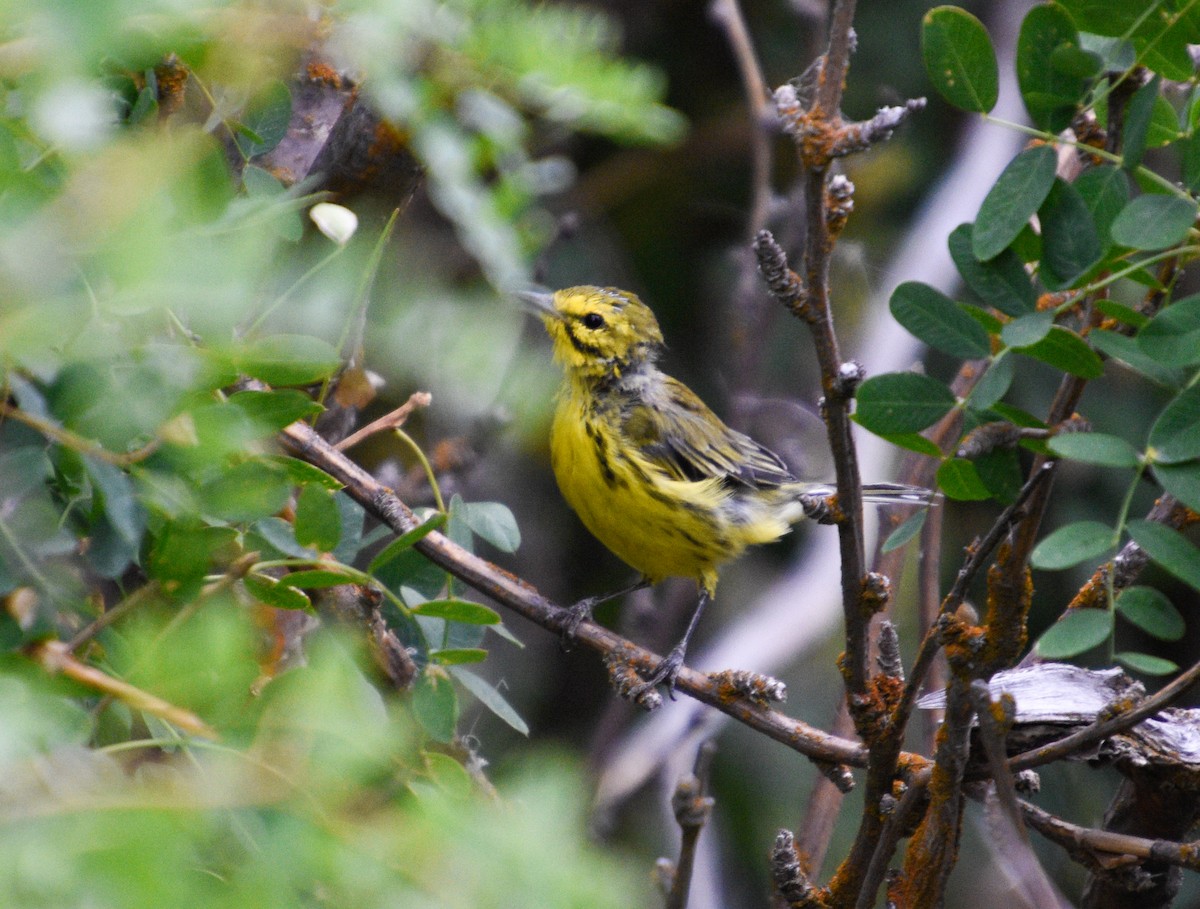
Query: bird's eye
{"type": "Point", "coordinates": [593, 320]}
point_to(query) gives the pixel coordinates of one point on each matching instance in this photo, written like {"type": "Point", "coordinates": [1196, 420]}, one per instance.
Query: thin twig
{"type": "Point", "coordinates": [77, 442]}
{"type": "Point", "coordinates": [692, 809]}
{"type": "Point", "coordinates": [393, 420]}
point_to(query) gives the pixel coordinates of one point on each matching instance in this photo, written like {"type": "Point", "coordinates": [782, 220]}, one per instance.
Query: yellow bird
{"type": "Point", "coordinates": [651, 471]}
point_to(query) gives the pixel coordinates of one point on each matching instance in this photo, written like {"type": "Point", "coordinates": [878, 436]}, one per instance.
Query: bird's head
{"type": "Point", "coordinates": [598, 331]}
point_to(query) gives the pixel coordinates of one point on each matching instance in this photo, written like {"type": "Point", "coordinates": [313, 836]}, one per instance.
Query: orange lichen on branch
{"type": "Point", "coordinates": [739, 684]}
{"type": "Point", "coordinates": [1010, 594]}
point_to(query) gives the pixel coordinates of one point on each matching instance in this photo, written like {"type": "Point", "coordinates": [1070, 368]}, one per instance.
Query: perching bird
{"type": "Point", "coordinates": [651, 471]}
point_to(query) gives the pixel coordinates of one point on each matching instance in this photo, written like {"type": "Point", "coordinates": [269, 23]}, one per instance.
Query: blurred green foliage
{"type": "Point", "coordinates": [149, 257]}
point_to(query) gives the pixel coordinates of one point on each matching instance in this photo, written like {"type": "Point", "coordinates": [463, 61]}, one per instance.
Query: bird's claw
{"type": "Point", "coordinates": [666, 674]}
{"type": "Point", "coordinates": [576, 615]}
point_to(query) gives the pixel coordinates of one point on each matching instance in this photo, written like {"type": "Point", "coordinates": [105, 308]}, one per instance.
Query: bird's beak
{"type": "Point", "coordinates": [540, 303]}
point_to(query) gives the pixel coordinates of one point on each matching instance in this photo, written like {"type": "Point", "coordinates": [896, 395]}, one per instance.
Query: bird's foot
{"type": "Point", "coordinates": [666, 674]}
{"type": "Point", "coordinates": [577, 614]}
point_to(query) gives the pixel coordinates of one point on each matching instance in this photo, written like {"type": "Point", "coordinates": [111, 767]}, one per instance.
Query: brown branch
{"type": "Point", "coordinates": [1076, 839]}
{"type": "Point", "coordinates": [524, 599]}
{"type": "Point", "coordinates": [692, 809]}
{"type": "Point", "coordinates": [393, 420]}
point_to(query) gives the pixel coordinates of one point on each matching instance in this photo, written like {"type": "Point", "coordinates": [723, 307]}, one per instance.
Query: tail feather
{"type": "Point", "coordinates": [881, 493]}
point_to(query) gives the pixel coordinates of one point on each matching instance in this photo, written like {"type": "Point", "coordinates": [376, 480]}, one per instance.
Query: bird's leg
{"type": "Point", "coordinates": [582, 610]}
{"type": "Point", "coordinates": [668, 670]}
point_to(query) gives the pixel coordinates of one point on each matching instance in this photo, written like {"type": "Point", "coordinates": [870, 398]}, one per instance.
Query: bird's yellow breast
{"type": "Point", "coordinates": [661, 526]}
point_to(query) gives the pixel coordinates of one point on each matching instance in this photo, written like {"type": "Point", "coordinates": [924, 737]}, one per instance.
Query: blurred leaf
{"type": "Point", "coordinates": [958, 479]}
{"type": "Point", "coordinates": [902, 402]}
{"type": "Point", "coordinates": [121, 506]}
{"type": "Point", "coordinates": [302, 473]}
{"type": "Point", "coordinates": [1071, 545]}
{"type": "Point", "coordinates": [1070, 242]}
{"type": "Point", "coordinates": [1051, 94]}
{"type": "Point", "coordinates": [1175, 435]}
{"type": "Point", "coordinates": [316, 579]}
{"type": "Point", "coordinates": [435, 705]}
{"type": "Point", "coordinates": [458, 611]}
{"type": "Point", "coordinates": [1028, 329]}
{"type": "Point", "coordinates": [280, 535]}
{"type": "Point", "coordinates": [406, 540]}
{"type": "Point", "coordinates": [1015, 197]}
{"type": "Point", "coordinates": [184, 552]}
{"type": "Point", "coordinates": [1172, 338]}
{"type": "Point", "coordinates": [288, 359]}
{"type": "Point", "coordinates": [1122, 313]}
{"type": "Point", "coordinates": [494, 522]}
{"type": "Point", "coordinates": [909, 528]}
{"type": "Point", "coordinates": [318, 521]}
{"type": "Point", "coordinates": [1189, 150]}
{"type": "Point", "coordinates": [351, 516]}
{"type": "Point", "coordinates": [268, 590]}
{"type": "Point", "coordinates": [959, 59]}
{"type": "Point", "coordinates": [1076, 632]}
{"type": "Point", "coordinates": [1152, 612]}
{"type": "Point", "coordinates": [265, 121]}
{"type": "Point", "coordinates": [932, 317]}
{"type": "Point", "coordinates": [276, 409]}
{"type": "Point", "coordinates": [247, 491]}
{"type": "Point", "coordinates": [491, 699]}
{"type": "Point", "coordinates": [1001, 282]}
{"type": "Point", "coordinates": [452, 656]}
{"type": "Point", "coordinates": [1152, 222]}
{"type": "Point", "coordinates": [1065, 350]}
{"type": "Point", "coordinates": [1095, 448]}
{"type": "Point", "coordinates": [1146, 663]}
{"type": "Point", "coordinates": [1182, 481]}
{"type": "Point", "coordinates": [1105, 192]}
{"type": "Point", "coordinates": [1137, 123]}
{"type": "Point", "coordinates": [1169, 549]}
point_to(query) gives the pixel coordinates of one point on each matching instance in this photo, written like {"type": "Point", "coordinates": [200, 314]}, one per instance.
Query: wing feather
{"type": "Point", "coordinates": [680, 435]}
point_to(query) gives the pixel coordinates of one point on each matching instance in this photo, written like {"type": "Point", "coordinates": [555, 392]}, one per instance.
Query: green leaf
{"type": "Point", "coordinates": [494, 522]}
{"type": "Point", "coordinates": [318, 520]}
{"type": "Point", "coordinates": [280, 536]}
{"type": "Point", "coordinates": [1152, 612]}
{"type": "Point", "coordinates": [1169, 548]}
{"type": "Point", "coordinates": [301, 473]}
{"type": "Point", "coordinates": [406, 540]}
{"type": "Point", "coordinates": [1028, 329]}
{"type": "Point", "coordinates": [1065, 350]}
{"type": "Point", "coordinates": [1095, 448]}
{"type": "Point", "coordinates": [275, 409]}
{"type": "Point", "coordinates": [1175, 435]}
{"type": "Point", "coordinates": [1172, 338]}
{"type": "Point", "coordinates": [1071, 545]}
{"type": "Point", "coordinates": [1105, 191]}
{"type": "Point", "coordinates": [914, 442]}
{"type": "Point", "coordinates": [958, 479]}
{"type": "Point", "coordinates": [1160, 35]}
{"type": "Point", "coordinates": [1001, 282]}
{"type": "Point", "coordinates": [993, 384]}
{"type": "Point", "coordinates": [1076, 632]}
{"type": "Point", "coordinates": [1146, 663]}
{"type": "Point", "coordinates": [959, 59]}
{"type": "Point", "coordinates": [456, 656]}
{"type": "Point", "coordinates": [1016, 196]}
{"type": "Point", "coordinates": [316, 579]}
{"type": "Point", "coordinates": [1182, 481]}
{"type": "Point", "coordinates": [288, 359]}
{"type": "Point", "coordinates": [265, 121]}
{"type": "Point", "coordinates": [1000, 472]}
{"type": "Point", "coordinates": [1137, 123]}
{"type": "Point", "coordinates": [268, 590]}
{"type": "Point", "coordinates": [247, 492]}
{"type": "Point", "coordinates": [435, 705]}
{"type": "Point", "coordinates": [122, 509]}
{"type": "Point", "coordinates": [458, 611]}
{"type": "Point", "coordinates": [1189, 150]}
{"type": "Point", "coordinates": [902, 402]}
{"type": "Point", "coordinates": [910, 527]}
{"type": "Point", "coordinates": [932, 317]}
{"type": "Point", "coordinates": [1130, 352]}
{"type": "Point", "coordinates": [1070, 242]}
{"type": "Point", "coordinates": [1051, 95]}
{"type": "Point", "coordinates": [1122, 313]}
{"type": "Point", "coordinates": [1154, 221]}
{"type": "Point", "coordinates": [490, 698]}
